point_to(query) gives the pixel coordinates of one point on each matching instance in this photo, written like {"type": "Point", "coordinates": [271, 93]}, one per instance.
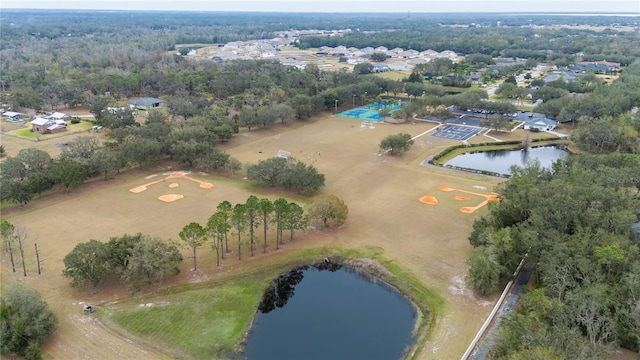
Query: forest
{"type": "Point", "coordinates": [572, 222]}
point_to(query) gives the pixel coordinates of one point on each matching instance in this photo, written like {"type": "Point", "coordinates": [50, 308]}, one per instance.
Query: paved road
{"type": "Point", "coordinates": [488, 340]}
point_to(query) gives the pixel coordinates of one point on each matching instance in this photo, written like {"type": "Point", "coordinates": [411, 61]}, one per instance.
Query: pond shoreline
{"type": "Point", "coordinates": [451, 152]}
{"type": "Point", "coordinates": [376, 272]}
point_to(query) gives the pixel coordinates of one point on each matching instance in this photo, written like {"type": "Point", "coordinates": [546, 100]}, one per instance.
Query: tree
{"type": "Point", "coordinates": [239, 221]}
{"type": "Point", "coordinates": [151, 260]}
{"type": "Point", "coordinates": [280, 209]}
{"type": "Point", "coordinates": [194, 235]}
{"type": "Point", "coordinates": [217, 228]}
{"type": "Point", "coordinates": [267, 172]}
{"type": "Point", "coordinates": [35, 160]}
{"type": "Point", "coordinates": [265, 208]}
{"type": "Point", "coordinates": [141, 151]}
{"type": "Point", "coordinates": [396, 144]}
{"type": "Point", "coordinates": [302, 105]}
{"type": "Point", "coordinates": [378, 57]}
{"type": "Point", "coordinates": [186, 152]}
{"type": "Point", "coordinates": [13, 184]}
{"type": "Point", "coordinates": [26, 322]}
{"type": "Point", "coordinates": [106, 161]}
{"type": "Point", "coordinates": [81, 150]}
{"type": "Point", "coordinates": [233, 165]}
{"type": "Point", "coordinates": [67, 173]}
{"type": "Point", "coordinates": [327, 210]}
{"type": "Point", "coordinates": [86, 263]}
{"type": "Point", "coordinates": [213, 159]}
{"type": "Point", "coordinates": [303, 178]}
{"type": "Point", "coordinates": [363, 68]}
{"type": "Point", "coordinates": [251, 207]}
{"type": "Point", "coordinates": [226, 209]}
{"type": "Point", "coordinates": [484, 273]}
{"type": "Point", "coordinates": [294, 219]}
{"type": "Point", "coordinates": [511, 79]}
{"type": "Point", "coordinates": [496, 122]}
{"type": "Point", "coordinates": [120, 250]}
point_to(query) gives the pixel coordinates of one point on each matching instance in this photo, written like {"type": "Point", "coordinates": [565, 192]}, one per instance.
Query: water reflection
{"type": "Point", "coordinates": [500, 161]}
{"type": "Point", "coordinates": [342, 313]}
{"type": "Point", "coordinates": [282, 288]}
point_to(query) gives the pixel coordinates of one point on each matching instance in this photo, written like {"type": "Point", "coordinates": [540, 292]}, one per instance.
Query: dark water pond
{"type": "Point", "coordinates": [331, 312]}
{"type": "Point", "coordinates": [500, 161]}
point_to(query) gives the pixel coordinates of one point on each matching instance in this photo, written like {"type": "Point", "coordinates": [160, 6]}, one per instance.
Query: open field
{"type": "Point", "coordinates": [382, 194]}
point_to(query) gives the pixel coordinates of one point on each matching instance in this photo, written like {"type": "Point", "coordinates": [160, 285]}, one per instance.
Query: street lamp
{"type": "Point", "coordinates": [335, 111]}
{"type": "Point", "coordinates": [409, 96]}
{"type": "Point", "coordinates": [364, 98]}
{"type": "Point", "coordinates": [354, 100]}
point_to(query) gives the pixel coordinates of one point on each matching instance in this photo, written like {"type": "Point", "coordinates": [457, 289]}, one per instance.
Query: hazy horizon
{"type": "Point", "coordinates": [351, 6]}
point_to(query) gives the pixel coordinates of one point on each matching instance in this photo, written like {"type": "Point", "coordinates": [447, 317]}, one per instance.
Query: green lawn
{"type": "Point", "coordinates": [210, 319]}
{"type": "Point", "coordinates": [26, 133]}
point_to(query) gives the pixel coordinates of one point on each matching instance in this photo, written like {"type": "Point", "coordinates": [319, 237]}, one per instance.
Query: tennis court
{"type": "Point", "coordinates": [369, 112]}
{"type": "Point", "coordinates": [454, 132]}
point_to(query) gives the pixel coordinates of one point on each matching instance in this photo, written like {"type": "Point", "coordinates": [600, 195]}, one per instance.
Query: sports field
{"type": "Point", "coordinates": [456, 132]}
{"type": "Point", "coordinates": [369, 112]}
{"type": "Point", "coordinates": [385, 213]}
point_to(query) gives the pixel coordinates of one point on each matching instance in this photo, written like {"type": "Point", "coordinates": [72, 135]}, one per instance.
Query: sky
{"type": "Point", "coordinates": [418, 6]}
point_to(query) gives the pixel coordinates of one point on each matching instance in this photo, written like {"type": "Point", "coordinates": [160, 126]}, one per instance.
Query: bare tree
{"type": "Point", "coordinates": [21, 237]}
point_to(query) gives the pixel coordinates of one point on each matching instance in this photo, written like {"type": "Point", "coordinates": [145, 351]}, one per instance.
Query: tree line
{"type": "Point", "coordinates": [573, 223]}
{"type": "Point", "coordinates": [140, 260]}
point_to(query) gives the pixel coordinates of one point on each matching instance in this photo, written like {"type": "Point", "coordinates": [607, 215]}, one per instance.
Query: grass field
{"type": "Point", "coordinates": [424, 242]}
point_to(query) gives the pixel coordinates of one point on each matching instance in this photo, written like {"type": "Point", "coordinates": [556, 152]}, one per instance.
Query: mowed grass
{"type": "Point", "coordinates": [426, 242]}
{"type": "Point", "coordinates": [71, 129]}
{"type": "Point", "coordinates": [203, 323]}
{"type": "Point", "coordinates": [210, 320]}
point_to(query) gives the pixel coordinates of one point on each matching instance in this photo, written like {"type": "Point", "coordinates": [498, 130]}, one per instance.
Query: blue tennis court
{"type": "Point", "coordinates": [368, 112]}
{"type": "Point", "coordinates": [454, 132]}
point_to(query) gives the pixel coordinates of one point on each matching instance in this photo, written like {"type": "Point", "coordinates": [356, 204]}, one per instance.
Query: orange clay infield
{"type": "Point", "coordinates": [171, 197]}
{"type": "Point", "coordinates": [428, 199]}
{"type": "Point", "coordinates": [431, 200]}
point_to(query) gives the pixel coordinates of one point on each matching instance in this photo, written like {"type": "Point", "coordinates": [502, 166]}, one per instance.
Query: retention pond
{"type": "Point", "coordinates": [499, 161]}
{"type": "Point", "coordinates": [330, 311]}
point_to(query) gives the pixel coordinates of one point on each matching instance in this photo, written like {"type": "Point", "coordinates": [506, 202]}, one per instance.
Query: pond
{"type": "Point", "coordinates": [331, 312]}
{"type": "Point", "coordinates": [499, 161]}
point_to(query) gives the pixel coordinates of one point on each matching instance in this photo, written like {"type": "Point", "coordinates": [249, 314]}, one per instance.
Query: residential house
{"type": "Point", "coordinates": [47, 126]}
{"type": "Point", "coordinates": [597, 66]}
{"type": "Point", "coordinates": [567, 76]}
{"type": "Point", "coordinates": [12, 116]}
{"type": "Point", "coordinates": [381, 49]}
{"type": "Point", "coordinates": [58, 116]}
{"type": "Point", "coordinates": [144, 103]}
{"type": "Point", "coordinates": [380, 67]}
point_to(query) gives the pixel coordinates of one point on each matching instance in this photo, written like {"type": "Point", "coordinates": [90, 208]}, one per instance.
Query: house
{"type": "Point", "coordinates": [48, 126]}
{"type": "Point", "coordinates": [598, 66]}
{"type": "Point", "coordinates": [144, 103]}
{"type": "Point", "coordinates": [540, 124]}
{"type": "Point", "coordinates": [58, 116]}
{"type": "Point", "coordinates": [12, 116]}
{"type": "Point", "coordinates": [379, 68]}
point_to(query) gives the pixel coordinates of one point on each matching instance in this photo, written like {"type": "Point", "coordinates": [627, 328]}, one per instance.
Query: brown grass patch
{"type": "Point", "coordinates": [428, 241]}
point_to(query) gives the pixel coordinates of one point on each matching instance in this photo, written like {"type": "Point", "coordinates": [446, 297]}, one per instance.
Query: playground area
{"type": "Point", "coordinates": [369, 112]}
{"type": "Point", "coordinates": [454, 132]}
